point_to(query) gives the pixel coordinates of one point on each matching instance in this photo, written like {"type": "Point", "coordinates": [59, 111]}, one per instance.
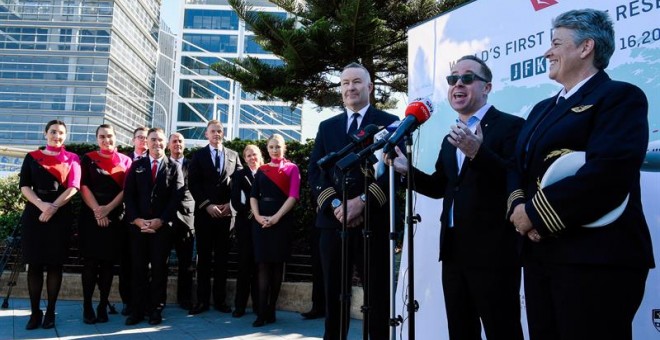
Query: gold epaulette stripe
{"type": "Point", "coordinates": [378, 193]}
{"type": "Point", "coordinates": [547, 213]}
{"type": "Point", "coordinates": [324, 195]}
{"type": "Point", "coordinates": [514, 196]}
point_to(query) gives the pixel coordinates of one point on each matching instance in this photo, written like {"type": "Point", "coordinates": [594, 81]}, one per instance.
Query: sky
{"type": "Point", "coordinates": [171, 11]}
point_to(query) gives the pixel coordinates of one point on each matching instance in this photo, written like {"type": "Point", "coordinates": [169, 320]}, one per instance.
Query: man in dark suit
{"type": "Point", "coordinates": [478, 248]}
{"type": "Point", "coordinates": [153, 189]}
{"type": "Point", "coordinates": [209, 180]}
{"type": "Point", "coordinates": [583, 283]}
{"type": "Point", "coordinates": [184, 230]}
{"type": "Point", "coordinates": [125, 285]}
{"type": "Point", "coordinates": [333, 135]}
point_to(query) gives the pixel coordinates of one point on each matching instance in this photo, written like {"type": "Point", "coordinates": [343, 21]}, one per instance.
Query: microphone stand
{"type": "Point", "coordinates": [413, 305]}
{"type": "Point", "coordinates": [366, 257]}
{"type": "Point", "coordinates": [344, 305]}
{"type": "Point", "coordinates": [395, 320]}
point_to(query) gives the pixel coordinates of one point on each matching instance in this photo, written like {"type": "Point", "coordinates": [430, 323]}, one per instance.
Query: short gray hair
{"type": "Point", "coordinates": [590, 24]}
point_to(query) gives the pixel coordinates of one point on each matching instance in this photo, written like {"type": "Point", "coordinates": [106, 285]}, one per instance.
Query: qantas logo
{"type": "Point", "coordinates": [541, 4]}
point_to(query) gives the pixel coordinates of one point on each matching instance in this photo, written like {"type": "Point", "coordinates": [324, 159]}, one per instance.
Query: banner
{"type": "Point", "coordinates": [512, 36]}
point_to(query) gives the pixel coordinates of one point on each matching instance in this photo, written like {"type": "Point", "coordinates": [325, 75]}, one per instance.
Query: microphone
{"type": "Point", "coordinates": [417, 113]}
{"type": "Point", "coordinates": [379, 140]}
{"type": "Point", "coordinates": [358, 138]}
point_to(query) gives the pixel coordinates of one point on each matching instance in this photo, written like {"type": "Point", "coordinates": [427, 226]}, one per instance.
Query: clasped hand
{"type": "Point", "coordinates": [354, 208]}
{"type": "Point", "coordinates": [218, 210]}
{"type": "Point", "coordinates": [47, 211]}
{"type": "Point", "coordinates": [148, 226]}
{"type": "Point", "coordinates": [523, 224]}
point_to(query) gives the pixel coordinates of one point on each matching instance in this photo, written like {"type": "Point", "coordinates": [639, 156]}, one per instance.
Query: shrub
{"type": "Point", "coordinates": [11, 205]}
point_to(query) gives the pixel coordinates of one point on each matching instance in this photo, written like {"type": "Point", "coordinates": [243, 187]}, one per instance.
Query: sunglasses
{"type": "Point", "coordinates": [466, 79]}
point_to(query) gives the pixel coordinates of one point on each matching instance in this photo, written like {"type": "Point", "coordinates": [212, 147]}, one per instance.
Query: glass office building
{"type": "Point", "coordinates": [85, 62]}
{"type": "Point", "coordinates": [211, 33]}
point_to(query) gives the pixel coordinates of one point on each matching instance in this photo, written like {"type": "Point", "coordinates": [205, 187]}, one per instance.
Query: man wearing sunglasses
{"type": "Point", "coordinates": [478, 246]}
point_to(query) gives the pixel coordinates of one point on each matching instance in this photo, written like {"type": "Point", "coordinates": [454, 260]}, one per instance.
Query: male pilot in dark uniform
{"type": "Point", "coordinates": [184, 230]}
{"type": "Point", "coordinates": [153, 189]}
{"type": "Point", "coordinates": [333, 134]}
{"type": "Point", "coordinates": [209, 180]}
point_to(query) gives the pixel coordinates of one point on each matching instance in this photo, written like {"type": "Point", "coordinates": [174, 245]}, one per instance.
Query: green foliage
{"type": "Point", "coordinates": [320, 37]}
{"type": "Point", "coordinates": [11, 205]}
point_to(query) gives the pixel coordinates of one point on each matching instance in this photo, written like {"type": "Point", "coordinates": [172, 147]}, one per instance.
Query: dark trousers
{"type": "Point", "coordinates": [330, 248]}
{"type": "Point", "coordinates": [476, 295]}
{"type": "Point", "coordinates": [184, 241]}
{"type": "Point", "coordinates": [149, 249]}
{"type": "Point", "coordinates": [212, 255]}
{"type": "Point", "coordinates": [577, 301]}
{"type": "Point", "coordinates": [125, 268]}
{"type": "Point", "coordinates": [318, 289]}
{"type": "Point", "coordinates": [246, 278]}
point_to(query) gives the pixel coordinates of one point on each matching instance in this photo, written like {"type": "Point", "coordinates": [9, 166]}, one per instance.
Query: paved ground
{"type": "Point", "coordinates": [177, 324]}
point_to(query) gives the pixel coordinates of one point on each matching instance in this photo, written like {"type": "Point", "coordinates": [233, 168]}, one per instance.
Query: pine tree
{"type": "Point", "coordinates": [320, 37]}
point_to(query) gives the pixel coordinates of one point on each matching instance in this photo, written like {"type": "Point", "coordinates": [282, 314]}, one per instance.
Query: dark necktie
{"type": "Point", "coordinates": [154, 170]}
{"type": "Point", "coordinates": [354, 124]}
{"type": "Point", "coordinates": [217, 160]}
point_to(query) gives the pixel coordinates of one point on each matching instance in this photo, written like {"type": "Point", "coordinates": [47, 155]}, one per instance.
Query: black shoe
{"type": "Point", "coordinates": [49, 321]}
{"type": "Point", "coordinates": [156, 318]}
{"type": "Point", "coordinates": [35, 321]}
{"type": "Point", "coordinates": [199, 308]}
{"type": "Point", "coordinates": [187, 305]}
{"type": "Point", "coordinates": [238, 313]}
{"type": "Point", "coordinates": [88, 316]}
{"type": "Point", "coordinates": [101, 313]}
{"type": "Point", "coordinates": [271, 318]}
{"type": "Point", "coordinates": [134, 319]}
{"type": "Point", "coordinates": [312, 314]}
{"type": "Point", "coordinates": [259, 322]}
{"type": "Point", "coordinates": [126, 310]}
{"type": "Point", "coordinates": [222, 308]}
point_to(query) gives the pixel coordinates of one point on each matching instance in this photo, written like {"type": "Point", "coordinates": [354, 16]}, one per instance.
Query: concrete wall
{"type": "Point", "coordinates": [294, 296]}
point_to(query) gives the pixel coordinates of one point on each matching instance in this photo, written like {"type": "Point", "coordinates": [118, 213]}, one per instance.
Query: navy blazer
{"type": "Point", "coordinates": [205, 184]}
{"type": "Point", "coordinates": [186, 209]}
{"type": "Point", "coordinates": [242, 184]}
{"type": "Point", "coordinates": [608, 120]}
{"type": "Point", "coordinates": [325, 186]}
{"type": "Point", "coordinates": [482, 233]}
{"type": "Point", "coordinates": [146, 199]}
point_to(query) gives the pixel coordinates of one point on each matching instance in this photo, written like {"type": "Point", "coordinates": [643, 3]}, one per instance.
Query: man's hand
{"type": "Point", "coordinates": [214, 210]}
{"type": "Point", "coordinates": [463, 139]}
{"type": "Point", "coordinates": [400, 163]}
{"type": "Point", "coordinates": [225, 210]}
{"type": "Point", "coordinates": [521, 221]}
{"type": "Point", "coordinates": [150, 226]}
{"type": "Point", "coordinates": [354, 208]}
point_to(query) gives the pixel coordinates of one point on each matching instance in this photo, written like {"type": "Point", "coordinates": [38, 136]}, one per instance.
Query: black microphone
{"type": "Point", "coordinates": [360, 137]}
{"type": "Point", "coordinates": [417, 113]}
{"type": "Point", "coordinates": [380, 140]}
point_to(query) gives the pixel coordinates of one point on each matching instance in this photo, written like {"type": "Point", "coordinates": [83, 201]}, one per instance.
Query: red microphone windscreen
{"type": "Point", "coordinates": [421, 109]}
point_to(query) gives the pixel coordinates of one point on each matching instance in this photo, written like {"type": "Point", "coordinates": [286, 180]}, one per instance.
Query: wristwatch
{"type": "Point", "coordinates": [336, 203]}
{"type": "Point", "coordinates": [363, 198]}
